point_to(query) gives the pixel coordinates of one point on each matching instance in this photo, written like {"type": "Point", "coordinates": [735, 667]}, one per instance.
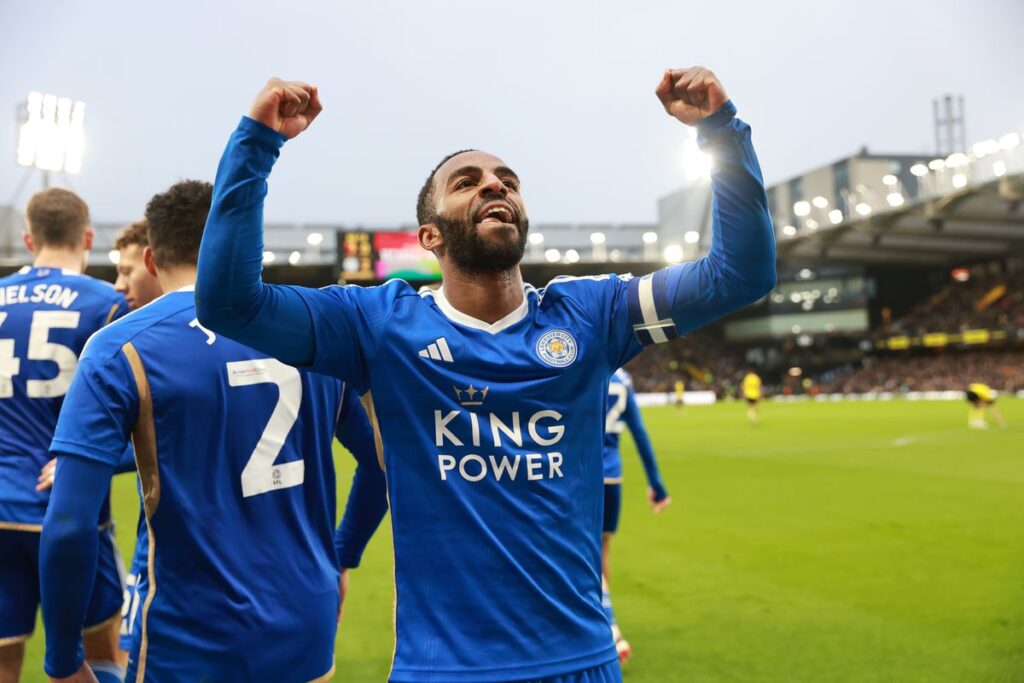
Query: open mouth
{"type": "Point", "coordinates": [496, 214]}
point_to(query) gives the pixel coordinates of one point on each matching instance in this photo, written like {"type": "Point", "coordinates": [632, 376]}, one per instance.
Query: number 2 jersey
{"type": "Point", "coordinates": [234, 455]}
{"type": "Point", "coordinates": [46, 316]}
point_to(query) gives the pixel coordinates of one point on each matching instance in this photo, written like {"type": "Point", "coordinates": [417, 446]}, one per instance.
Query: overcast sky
{"type": "Point", "coordinates": [562, 90]}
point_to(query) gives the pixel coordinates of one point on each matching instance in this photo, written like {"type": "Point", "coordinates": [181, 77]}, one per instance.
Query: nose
{"type": "Point", "coordinates": [493, 184]}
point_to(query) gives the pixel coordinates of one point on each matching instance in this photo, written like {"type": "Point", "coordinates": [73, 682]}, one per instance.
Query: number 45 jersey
{"type": "Point", "coordinates": [46, 316]}
{"type": "Point", "coordinates": [234, 454]}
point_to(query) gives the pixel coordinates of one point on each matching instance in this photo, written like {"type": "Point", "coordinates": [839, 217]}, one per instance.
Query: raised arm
{"type": "Point", "coordinates": [231, 297]}
{"type": "Point", "coordinates": [739, 268]}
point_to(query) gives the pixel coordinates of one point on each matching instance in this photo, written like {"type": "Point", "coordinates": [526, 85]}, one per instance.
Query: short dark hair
{"type": "Point", "coordinates": [56, 218]}
{"type": "Point", "coordinates": [176, 220]}
{"type": "Point", "coordinates": [424, 201]}
{"type": "Point", "coordinates": [133, 233]}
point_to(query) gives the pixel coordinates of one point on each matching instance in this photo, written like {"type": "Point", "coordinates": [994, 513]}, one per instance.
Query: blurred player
{"type": "Point", "coordinates": [680, 393]}
{"type": "Point", "coordinates": [138, 285]}
{"type": "Point", "coordinates": [234, 454]}
{"type": "Point", "coordinates": [982, 399]}
{"type": "Point", "coordinates": [623, 412]}
{"type": "Point", "coordinates": [489, 396]}
{"type": "Point", "coordinates": [751, 387]}
{"type": "Point", "coordinates": [47, 312]}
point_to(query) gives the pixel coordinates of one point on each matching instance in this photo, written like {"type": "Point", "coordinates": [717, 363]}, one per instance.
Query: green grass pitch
{"type": "Point", "coordinates": [845, 541]}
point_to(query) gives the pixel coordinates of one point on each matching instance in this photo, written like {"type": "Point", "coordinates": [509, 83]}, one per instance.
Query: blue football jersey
{"type": "Point", "coordinates": [491, 438]}
{"type": "Point", "coordinates": [46, 316]}
{"type": "Point", "coordinates": [623, 412]}
{"type": "Point", "coordinates": [234, 455]}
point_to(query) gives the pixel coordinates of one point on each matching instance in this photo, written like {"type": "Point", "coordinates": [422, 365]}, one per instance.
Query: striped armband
{"type": "Point", "coordinates": [648, 309]}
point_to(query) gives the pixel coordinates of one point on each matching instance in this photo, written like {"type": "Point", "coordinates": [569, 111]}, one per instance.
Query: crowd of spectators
{"type": "Point", "coordinates": [985, 302]}
{"type": "Point", "coordinates": [899, 373]}
{"type": "Point", "coordinates": [701, 362]}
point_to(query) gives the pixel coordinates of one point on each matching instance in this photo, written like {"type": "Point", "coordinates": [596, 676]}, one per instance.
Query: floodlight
{"type": "Point", "coordinates": [269, 257]}
{"type": "Point", "coordinates": [820, 202]}
{"type": "Point", "coordinates": [650, 237]}
{"type": "Point", "coordinates": [890, 179]}
{"type": "Point", "coordinates": [959, 181]}
{"type": "Point", "coordinates": [788, 230]}
{"type": "Point", "coordinates": [597, 238]}
{"type": "Point", "coordinates": [1009, 141]}
{"type": "Point", "coordinates": [936, 164]}
{"type": "Point", "coordinates": [696, 162]}
{"type": "Point", "coordinates": [863, 208]}
{"type": "Point", "coordinates": [673, 253]}
{"type": "Point", "coordinates": [836, 216]}
{"type": "Point", "coordinates": [691, 237]}
{"type": "Point", "coordinates": [999, 169]}
{"type": "Point", "coordinates": [919, 170]}
{"type": "Point", "coordinates": [115, 256]}
{"type": "Point", "coordinates": [572, 256]}
{"type": "Point", "coordinates": [956, 160]}
{"type": "Point", "coordinates": [984, 148]}
{"type": "Point", "coordinates": [894, 199]}
{"type": "Point", "coordinates": [51, 136]}
{"type": "Point", "coordinates": [536, 238]}
{"type": "Point", "coordinates": [811, 224]}
{"type": "Point", "coordinates": [314, 239]}
{"type": "Point", "coordinates": [294, 258]}
{"type": "Point", "coordinates": [552, 255]}
{"type": "Point", "coordinates": [802, 208]}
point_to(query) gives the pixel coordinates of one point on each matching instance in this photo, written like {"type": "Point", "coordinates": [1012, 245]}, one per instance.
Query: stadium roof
{"type": "Point", "coordinates": [971, 211]}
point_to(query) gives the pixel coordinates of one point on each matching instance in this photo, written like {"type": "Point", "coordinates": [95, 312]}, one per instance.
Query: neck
{"type": "Point", "coordinates": [65, 259]}
{"type": "Point", "coordinates": [488, 297]}
{"type": "Point", "coordinates": [175, 278]}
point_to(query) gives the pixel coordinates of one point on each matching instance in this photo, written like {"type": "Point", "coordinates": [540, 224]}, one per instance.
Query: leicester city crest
{"type": "Point", "coordinates": [557, 348]}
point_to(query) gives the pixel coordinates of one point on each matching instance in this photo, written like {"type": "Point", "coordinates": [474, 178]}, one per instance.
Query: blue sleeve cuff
{"type": "Point", "coordinates": [710, 128]}
{"type": "Point", "coordinates": [262, 133]}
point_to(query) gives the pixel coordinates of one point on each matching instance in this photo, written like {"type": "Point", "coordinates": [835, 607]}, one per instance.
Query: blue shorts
{"type": "Point", "coordinates": [612, 507]}
{"type": "Point", "coordinates": [605, 673]}
{"type": "Point", "coordinates": [19, 584]}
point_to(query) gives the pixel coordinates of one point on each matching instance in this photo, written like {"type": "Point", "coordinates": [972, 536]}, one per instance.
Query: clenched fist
{"type": "Point", "coordinates": [288, 107]}
{"type": "Point", "coordinates": [690, 94]}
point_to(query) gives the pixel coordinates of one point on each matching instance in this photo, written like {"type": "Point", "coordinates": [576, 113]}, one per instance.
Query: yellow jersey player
{"type": "Point", "coordinates": [982, 398]}
{"type": "Point", "coordinates": [752, 393]}
{"type": "Point", "coordinates": [680, 391]}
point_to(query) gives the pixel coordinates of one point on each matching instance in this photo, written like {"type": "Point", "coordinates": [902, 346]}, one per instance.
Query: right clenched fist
{"type": "Point", "coordinates": [286, 106]}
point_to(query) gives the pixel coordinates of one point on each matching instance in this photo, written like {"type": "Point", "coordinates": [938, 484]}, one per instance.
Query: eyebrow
{"type": "Point", "coordinates": [476, 170]}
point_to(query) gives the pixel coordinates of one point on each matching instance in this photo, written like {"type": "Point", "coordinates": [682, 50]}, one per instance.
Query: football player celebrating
{"type": "Point", "coordinates": [488, 395]}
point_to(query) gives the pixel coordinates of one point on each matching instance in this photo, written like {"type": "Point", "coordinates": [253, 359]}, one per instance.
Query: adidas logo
{"type": "Point", "coordinates": [438, 351]}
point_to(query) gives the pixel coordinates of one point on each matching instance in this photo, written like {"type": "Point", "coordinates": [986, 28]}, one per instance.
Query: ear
{"type": "Point", "coordinates": [147, 258]}
{"type": "Point", "coordinates": [90, 234]}
{"type": "Point", "coordinates": [430, 237]}
{"type": "Point", "coordinates": [26, 237]}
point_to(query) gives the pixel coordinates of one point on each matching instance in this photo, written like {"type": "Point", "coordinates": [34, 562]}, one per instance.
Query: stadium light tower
{"type": "Point", "coordinates": [51, 134]}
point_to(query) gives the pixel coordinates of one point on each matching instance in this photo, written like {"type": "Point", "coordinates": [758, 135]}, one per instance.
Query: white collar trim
{"type": "Point", "coordinates": [455, 315]}
{"type": "Point", "coordinates": [187, 288]}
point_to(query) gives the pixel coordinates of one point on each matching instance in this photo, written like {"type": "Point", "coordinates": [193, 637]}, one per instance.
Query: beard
{"type": "Point", "coordinates": [468, 249]}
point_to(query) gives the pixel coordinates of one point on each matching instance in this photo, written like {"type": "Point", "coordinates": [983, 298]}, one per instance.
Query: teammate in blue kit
{"type": "Point", "coordinates": [234, 454]}
{"type": "Point", "coordinates": [623, 412]}
{"type": "Point", "coordinates": [47, 312]}
{"type": "Point", "coordinates": [488, 395]}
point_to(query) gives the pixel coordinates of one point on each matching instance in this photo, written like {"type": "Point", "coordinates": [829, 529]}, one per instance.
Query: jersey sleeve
{"type": "Point", "coordinates": [738, 269]}
{"type": "Point", "coordinates": [635, 422]}
{"type": "Point", "coordinates": [367, 500]}
{"type": "Point", "coordinates": [99, 410]}
{"type": "Point", "coordinates": [306, 327]}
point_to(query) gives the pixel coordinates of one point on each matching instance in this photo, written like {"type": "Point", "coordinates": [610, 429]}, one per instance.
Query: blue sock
{"type": "Point", "coordinates": [107, 672]}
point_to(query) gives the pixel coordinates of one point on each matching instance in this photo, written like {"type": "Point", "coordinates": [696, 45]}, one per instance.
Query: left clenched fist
{"type": "Point", "coordinates": [690, 94]}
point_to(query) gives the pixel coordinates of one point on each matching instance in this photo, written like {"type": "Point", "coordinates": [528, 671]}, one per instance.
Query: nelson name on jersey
{"type": "Point", "coordinates": [42, 293]}
{"type": "Point", "coordinates": [462, 429]}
